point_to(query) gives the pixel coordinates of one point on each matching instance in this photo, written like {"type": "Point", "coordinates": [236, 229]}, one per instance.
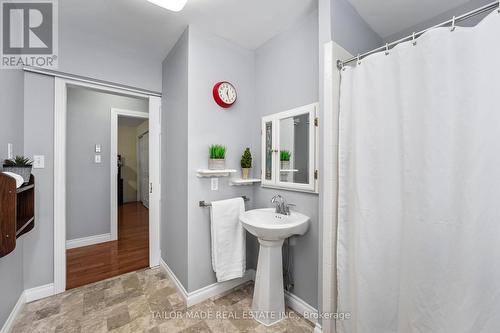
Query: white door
{"type": "Point", "coordinates": [144, 168]}
{"type": "Point", "coordinates": [154, 180]}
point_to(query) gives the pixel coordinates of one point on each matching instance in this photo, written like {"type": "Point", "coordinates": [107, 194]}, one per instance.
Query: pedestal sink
{"type": "Point", "coordinates": [271, 229]}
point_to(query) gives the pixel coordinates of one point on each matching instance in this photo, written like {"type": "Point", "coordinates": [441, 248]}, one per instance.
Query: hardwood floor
{"type": "Point", "coordinates": [101, 261]}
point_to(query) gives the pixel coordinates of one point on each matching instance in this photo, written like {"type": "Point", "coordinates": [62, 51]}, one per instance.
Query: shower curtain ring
{"type": "Point", "coordinates": [386, 48]}
{"type": "Point", "coordinates": [359, 59]}
{"type": "Point", "coordinates": [414, 40]}
{"type": "Point", "coordinates": [453, 24]}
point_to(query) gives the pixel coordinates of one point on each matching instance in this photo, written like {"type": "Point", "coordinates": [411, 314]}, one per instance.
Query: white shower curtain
{"type": "Point", "coordinates": [419, 186]}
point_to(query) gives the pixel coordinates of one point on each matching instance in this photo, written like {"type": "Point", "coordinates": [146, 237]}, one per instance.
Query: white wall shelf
{"type": "Point", "coordinates": [289, 170]}
{"type": "Point", "coordinates": [214, 173]}
{"type": "Point", "coordinates": [242, 182]}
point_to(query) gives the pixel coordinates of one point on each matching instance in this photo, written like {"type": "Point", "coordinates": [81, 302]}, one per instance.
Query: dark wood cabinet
{"type": "Point", "coordinates": [17, 211]}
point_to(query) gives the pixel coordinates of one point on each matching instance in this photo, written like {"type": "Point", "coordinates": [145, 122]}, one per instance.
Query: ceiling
{"type": "Point", "coordinates": [145, 28]}
{"type": "Point", "coordinates": [388, 17]}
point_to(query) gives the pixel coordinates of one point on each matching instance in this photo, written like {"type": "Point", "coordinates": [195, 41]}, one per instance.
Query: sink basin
{"type": "Point", "coordinates": [268, 304]}
{"type": "Point", "coordinates": [266, 224]}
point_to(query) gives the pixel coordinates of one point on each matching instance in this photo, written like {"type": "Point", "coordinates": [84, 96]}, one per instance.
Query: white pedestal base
{"type": "Point", "coordinates": [268, 303]}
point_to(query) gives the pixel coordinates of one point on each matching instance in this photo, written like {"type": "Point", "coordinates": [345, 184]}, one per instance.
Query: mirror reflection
{"type": "Point", "coordinates": [294, 149]}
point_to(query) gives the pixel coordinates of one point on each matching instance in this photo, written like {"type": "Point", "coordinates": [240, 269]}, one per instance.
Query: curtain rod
{"type": "Point", "coordinates": [455, 19]}
{"type": "Point", "coordinates": [79, 78]}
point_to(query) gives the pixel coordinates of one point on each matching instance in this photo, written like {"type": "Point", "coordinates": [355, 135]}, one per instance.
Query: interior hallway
{"type": "Point", "coordinates": [129, 253]}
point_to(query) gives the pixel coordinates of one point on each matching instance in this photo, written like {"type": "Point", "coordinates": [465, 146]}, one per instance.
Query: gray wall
{"type": "Point", "coordinates": [471, 5]}
{"type": "Point", "coordinates": [212, 59]}
{"type": "Point", "coordinates": [289, 62]}
{"type": "Point", "coordinates": [39, 140]}
{"type": "Point", "coordinates": [88, 183]}
{"type": "Point", "coordinates": [350, 30]}
{"type": "Point", "coordinates": [80, 54]}
{"type": "Point", "coordinates": [174, 173]}
{"type": "Point", "coordinates": [11, 131]}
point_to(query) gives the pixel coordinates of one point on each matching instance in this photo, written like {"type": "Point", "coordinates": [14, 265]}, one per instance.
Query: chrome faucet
{"type": "Point", "coordinates": [281, 206]}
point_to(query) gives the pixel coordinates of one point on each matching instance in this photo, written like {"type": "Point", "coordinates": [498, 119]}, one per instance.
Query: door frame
{"type": "Point", "coordinates": [115, 113]}
{"type": "Point", "coordinates": [60, 115]}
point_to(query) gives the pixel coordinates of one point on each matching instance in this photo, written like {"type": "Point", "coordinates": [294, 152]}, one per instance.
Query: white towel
{"type": "Point", "coordinates": [228, 239]}
{"type": "Point", "coordinates": [18, 178]}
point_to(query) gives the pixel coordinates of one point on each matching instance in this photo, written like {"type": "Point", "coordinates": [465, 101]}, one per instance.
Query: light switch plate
{"type": "Point", "coordinates": [97, 159]}
{"type": "Point", "coordinates": [38, 161]}
{"type": "Point", "coordinates": [98, 148]}
{"type": "Point", "coordinates": [214, 184]}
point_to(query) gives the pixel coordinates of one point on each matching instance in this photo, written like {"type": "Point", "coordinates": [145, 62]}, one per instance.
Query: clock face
{"type": "Point", "coordinates": [224, 94]}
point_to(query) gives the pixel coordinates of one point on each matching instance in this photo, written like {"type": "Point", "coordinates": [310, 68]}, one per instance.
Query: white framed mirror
{"type": "Point", "coordinates": [290, 149]}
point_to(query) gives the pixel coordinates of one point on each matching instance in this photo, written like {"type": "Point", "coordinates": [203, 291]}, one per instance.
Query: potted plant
{"type": "Point", "coordinates": [246, 163]}
{"type": "Point", "coordinates": [217, 160]}
{"type": "Point", "coordinates": [285, 156]}
{"type": "Point", "coordinates": [19, 165]}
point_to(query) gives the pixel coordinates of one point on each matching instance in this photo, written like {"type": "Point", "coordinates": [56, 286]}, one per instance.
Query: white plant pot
{"type": "Point", "coordinates": [245, 173]}
{"type": "Point", "coordinates": [216, 164]}
{"type": "Point", "coordinates": [285, 165]}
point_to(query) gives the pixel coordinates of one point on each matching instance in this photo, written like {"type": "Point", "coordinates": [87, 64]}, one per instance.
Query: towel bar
{"type": "Point", "coordinates": [204, 204]}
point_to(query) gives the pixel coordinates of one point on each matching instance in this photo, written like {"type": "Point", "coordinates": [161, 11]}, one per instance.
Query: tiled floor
{"type": "Point", "coordinates": [145, 301]}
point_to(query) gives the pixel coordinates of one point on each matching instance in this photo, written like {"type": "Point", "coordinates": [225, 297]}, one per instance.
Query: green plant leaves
{"type": "Point", "coordinates": [246, 159]}
{"type": "Point", "coordinates": [19, 161]}
{"type": "Point", "coordinates": [217, 152]}
{"type": "Point", "coordinates": [285, 155]}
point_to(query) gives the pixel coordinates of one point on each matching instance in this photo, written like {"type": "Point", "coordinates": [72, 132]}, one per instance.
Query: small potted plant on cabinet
{"type": "Point", "coordinates": [246, 163]}
{"type": "Point", "coordinates": [217, 160]}
{"type": "Point", "coordinates": [285, 156]}
{"type": "Point", "coordinates": [19, 165]}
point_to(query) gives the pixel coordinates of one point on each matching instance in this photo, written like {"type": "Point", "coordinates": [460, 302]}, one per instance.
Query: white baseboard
{"type": "Point", "coordinates": [317, 328]}
{"type": "Point", "coordinates": [218, 288]}
{"type": "Point", "coordinates": [300, 306]}
{"type": "Point", "coordinates": [180, 288]}
{"type": "Point", "coordinates": [207, 292]}
{"type": "Point", "coordinates": [9, 323]}
{"type": "Point", "coordinates": [86, 241]}
{"type": "Point", "coordinates": [40, 292]}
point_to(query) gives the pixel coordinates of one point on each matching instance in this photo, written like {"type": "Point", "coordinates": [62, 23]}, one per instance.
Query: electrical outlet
{"type": "Point", "coordinates": [97, 159]}
{"type": "Point", "coordinates": [38, 161]}
{"type": "Point", "coordinates": [215, 184]}
{"type": "Point", "coordinates": [98, 148]}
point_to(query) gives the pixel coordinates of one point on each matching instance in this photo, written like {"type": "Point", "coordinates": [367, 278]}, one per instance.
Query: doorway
{"type": "Point", "coordinates": [136, 222]}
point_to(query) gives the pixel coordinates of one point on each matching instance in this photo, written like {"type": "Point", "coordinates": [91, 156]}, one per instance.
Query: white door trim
{"type": "Point", "coordinates": [60, 110]}
{"type": "Point", "coordinates": [114, 161]}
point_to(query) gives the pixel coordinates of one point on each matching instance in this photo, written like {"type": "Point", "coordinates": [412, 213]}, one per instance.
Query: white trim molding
{"type": "Point", "coordinates": [115, 113]}
{"type": "Point", "coordinates": [86, 241]}
{"type": "Point", "coordinates": [34, 294]}
{"type": "Point", "coordinates": [300, 306]}
{"type": "Point", "coordinates": [28, 295]}
{"type": "Point", "coordinates": [60, 105]}
{"type": "Point", "coordinates": [178, 285]}
{"type": "Point", "coordinates": [209, 291]}
{"type": "Point", "coordinates": [9, 323]}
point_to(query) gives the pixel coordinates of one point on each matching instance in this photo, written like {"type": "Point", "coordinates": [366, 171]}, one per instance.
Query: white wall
{"type": "Point", "coordinates": [88, 184]}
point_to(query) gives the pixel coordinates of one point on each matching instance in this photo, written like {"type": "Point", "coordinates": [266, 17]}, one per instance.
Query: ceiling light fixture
{"type": "Point", "coordinates": [173, 5]}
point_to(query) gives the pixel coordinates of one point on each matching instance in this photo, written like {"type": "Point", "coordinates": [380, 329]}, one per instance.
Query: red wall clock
{"type": "Point", "coordinates": [224, 94]}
